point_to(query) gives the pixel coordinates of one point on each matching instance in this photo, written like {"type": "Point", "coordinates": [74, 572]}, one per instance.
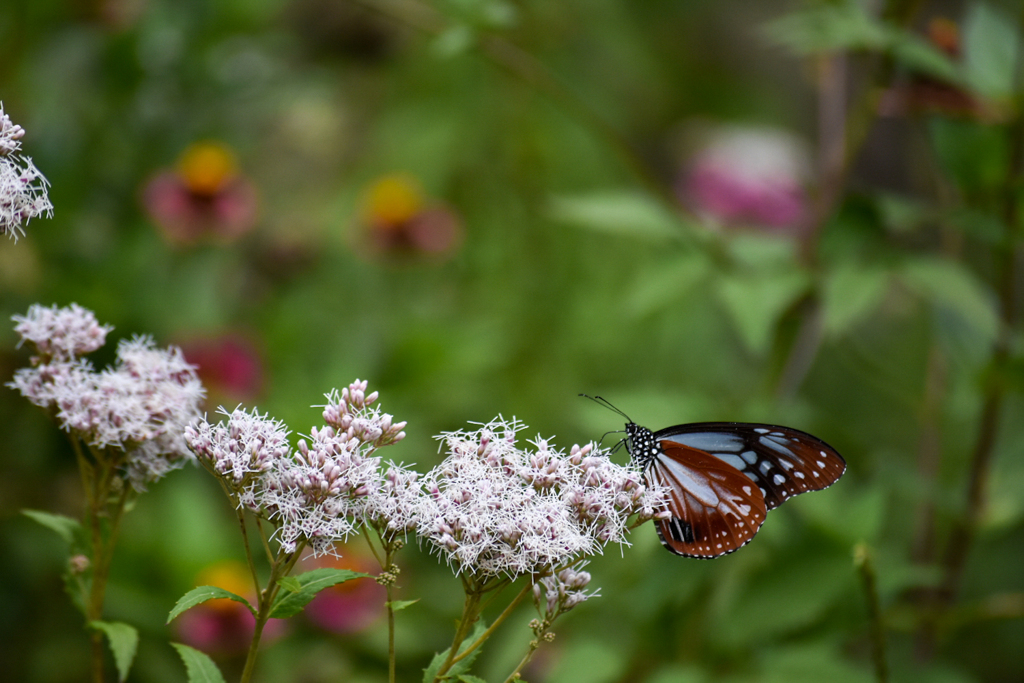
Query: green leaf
{"type": "Point", "coordinates": [976, 156]}
{"type": "Point", "coordinates": [850, 293]}
{"type": "Point", "coordinates": [991, 44]}
{"type": "Point", "coordinates": [200, 595]}
{"type": "Point", "coordinates": [619, 213]}
{"type": "Point", "coordinates": [951, 286]}
{"type": "Point", "coordinates": [454, 41]}
{"type": "Point", "coordinates": [661, 285]}
{"type": "Point", "coordinates": [466, 678]}
{"type": "Point", "coordinates": [123, 640]}
{"type": "Point", "coordinates": [397, 605]}
{"type": "Point", "coordinates": [67, 528]}
{"type": "Point", "coordinates": [756, 303]}
{"type": "Point", "coordinates": [842, 26]}
{"type": "Point", "coordinates": [289, 583]}
{"type": "Point", "coordinates": [460, 667]}
{"type": "Point", "coordinates": [829, 27]}
{"type": "Point", "coordinates": [924, 58]}
{"type": "Point", "coordinates": [291, 603]}
{"type": "Point", "coordinates": [200, 668]}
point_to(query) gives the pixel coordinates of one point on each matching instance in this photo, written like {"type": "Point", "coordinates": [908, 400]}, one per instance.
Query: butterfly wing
{"type": "Point", "coordinates": [715, 507]}
{"type": "Point", "coordinates": [783, 462]}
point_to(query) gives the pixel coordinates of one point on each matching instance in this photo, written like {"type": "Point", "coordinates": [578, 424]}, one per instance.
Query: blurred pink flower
{"type": "Point", "coordinates": [750, 176]}
{"type": "Point", "coordinates": [229, 366]}
{"type": "Point", "coordinates": [351, 606]}
{"type": "Point", "coordinates": [398, 221]}
{"type": "Point", "coordinates": [204, 197]}
{"type": "Point", "coordinates": [224, 626]}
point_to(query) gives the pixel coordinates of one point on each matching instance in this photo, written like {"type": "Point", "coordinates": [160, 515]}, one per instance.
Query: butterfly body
{"type": "Point", "coordinates": [723, 477]}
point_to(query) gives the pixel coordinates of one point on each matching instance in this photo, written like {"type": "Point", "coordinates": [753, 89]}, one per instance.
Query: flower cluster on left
{"type": "Point", "coordinates": [130, 416]}
{"type": "Point", "coordinates": [125, 424]}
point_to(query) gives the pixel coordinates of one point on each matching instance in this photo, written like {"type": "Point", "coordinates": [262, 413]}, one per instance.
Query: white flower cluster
{"type": "Point", "coordinates": [61, 333]}
{"type": "Point", "coordinates": [23, 189]}
{"type": "Point", "coordinates": [139, 406]}
{"type": "Point", "coordinates": [494, 509]}
{"type": "Point", "coordinates": [324, 490]}
{"type": "Point", "coordinates": [562, 591]}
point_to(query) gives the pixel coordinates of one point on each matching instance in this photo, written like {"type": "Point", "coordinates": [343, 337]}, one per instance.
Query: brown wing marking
{"type": "Point", "coordinates": [715, 508]}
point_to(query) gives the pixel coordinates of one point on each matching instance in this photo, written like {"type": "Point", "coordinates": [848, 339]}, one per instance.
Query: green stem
{"type": "Point", "coordinates": [497, 622]}
{"type": "Point", "coordinates": [470, 614]}
{"type": "Point", "coordinates": [844, 134]}
{"type": "Point", "coordinates": [866, 569]}
{"type": "Point", "coordinates": [248, 549]}
{"type": "Point", "coordinates": [1007, 264]}
{"type": "Point", "coordinates": [281, 567]}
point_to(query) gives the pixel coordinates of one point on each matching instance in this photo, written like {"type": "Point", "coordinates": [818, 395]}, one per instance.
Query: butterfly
{"type": "Point", "coordinates": [724, 477]}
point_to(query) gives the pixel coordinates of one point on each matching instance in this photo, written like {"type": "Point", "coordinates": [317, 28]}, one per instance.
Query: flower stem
{"type": "Point", "coordinates": [866, 569]}
{"type": "Point", "coordinates": [282, 567]}
{"type": "Point", "coordinates": [470, 614]}
{"type": "Point", "coordinates": [497, 622]}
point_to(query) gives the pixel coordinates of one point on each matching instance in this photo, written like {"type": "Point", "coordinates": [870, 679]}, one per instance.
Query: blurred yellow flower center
{"type": "Point", "coordinates": [393, 199]}
{"type": "Point", "coordinates": [229, 575]}
{"type": "Point", "coordinates": [206, 167]}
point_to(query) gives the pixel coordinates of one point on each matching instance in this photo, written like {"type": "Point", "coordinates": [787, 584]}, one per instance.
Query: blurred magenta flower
{"type": "Point", "coordinates": [398, 221]}
{"type": "Point", "coordinates": [205, 197]}
{"type": "Point", "coordinates": [230, 367]}
{"type": "Point", "coordinates": [749, 176]}
{"type": "Point", "coordinates": [223, 626]}
{"type": "Point", "coordinates": [351, 606]}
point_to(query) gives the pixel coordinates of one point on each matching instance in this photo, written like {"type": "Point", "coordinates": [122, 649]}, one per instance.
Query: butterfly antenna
{"type": "Point", "coordinates": [605, 436]}
{"type": "Point", "coordinates": [600, 400]}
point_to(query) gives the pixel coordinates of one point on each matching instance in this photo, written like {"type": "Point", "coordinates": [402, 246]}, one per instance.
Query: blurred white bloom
{"type": "Point", "coordinates": [140, 406]}
{"type": "Point", "coordinates": [494, 509]}
{"type": "Point", "coordinates": [23, 189]}
{"type": "Point", "coordinates": [61, 333]}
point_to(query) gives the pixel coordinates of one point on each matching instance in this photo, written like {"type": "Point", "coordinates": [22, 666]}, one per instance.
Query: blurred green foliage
{"type": "Point", "coordinates": [888, 325]}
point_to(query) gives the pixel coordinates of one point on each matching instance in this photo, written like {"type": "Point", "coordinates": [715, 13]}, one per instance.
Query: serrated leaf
{"type": "Point", "coordinates": [991, 43]}
{"type": "Point", "coordinates": [397, 605]}
{"type": "Point", "coordinates": [124, 642]}
{"type": "Point", "coordinates": [67, 528]}
{"type": "Point", "coordinates": [755, 304]}
{"type": "Point", "coordinates": [620, 213]}
{"type": "Point", "coordinates": [460, 667]}
{"type": "Point", "coordinates": [198, 665]}
{"type": "Point", "coordinates": [291, 603]}
{"type": "Point", "coordinates": [466, 678]}
{"type": "Point", "coordinates": [851, 293]}
{"type": "Point", "coordinates": [949, 285]}
{"type": "Point", "coordinates": [199, 595]}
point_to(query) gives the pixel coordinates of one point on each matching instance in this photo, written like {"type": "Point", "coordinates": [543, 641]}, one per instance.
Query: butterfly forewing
{"type": "Point", "coordinates": [781, 461]}
{"type": "Point", "coordinates": [715, 507]}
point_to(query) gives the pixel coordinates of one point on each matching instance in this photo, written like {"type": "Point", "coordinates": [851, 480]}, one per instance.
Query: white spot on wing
{"type": "Point", "coordinates": [778, 479]}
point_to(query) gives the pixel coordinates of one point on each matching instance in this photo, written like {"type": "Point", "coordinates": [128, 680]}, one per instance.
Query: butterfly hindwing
{"type": "Point", "coordinates": [715, 507]}
{"type": "Point", "coordinates": [783, 462]}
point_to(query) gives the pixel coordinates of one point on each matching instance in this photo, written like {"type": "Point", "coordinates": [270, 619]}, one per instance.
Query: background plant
{"type": "Point", "coordinates": [886, 321]}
